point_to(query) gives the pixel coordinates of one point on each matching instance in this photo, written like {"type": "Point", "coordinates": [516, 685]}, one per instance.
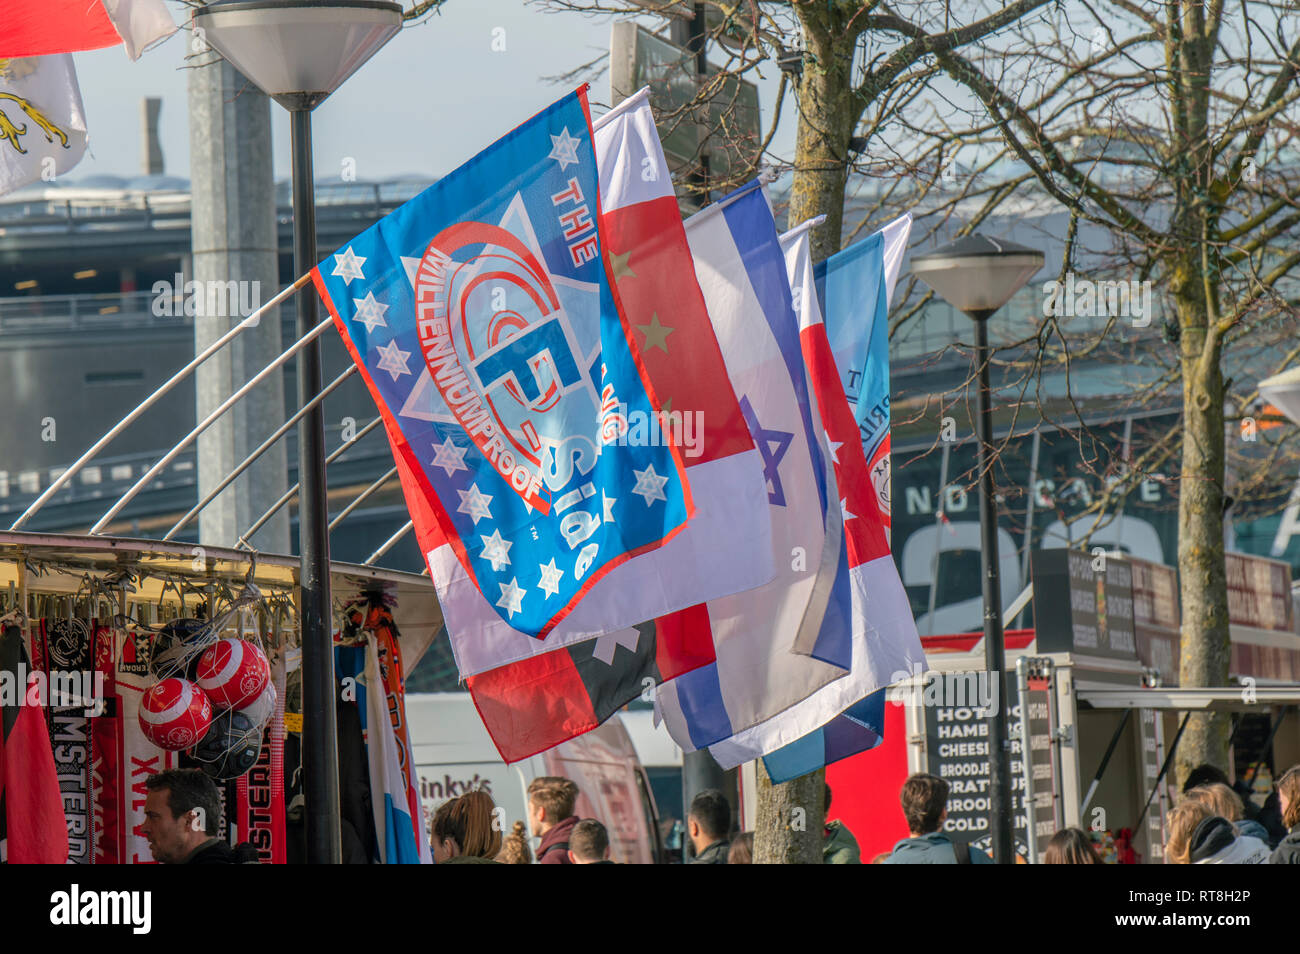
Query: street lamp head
{"type": "Point", "coordinates": [298, 52]}
{"type": "Point", "coordinates": [977, 274]}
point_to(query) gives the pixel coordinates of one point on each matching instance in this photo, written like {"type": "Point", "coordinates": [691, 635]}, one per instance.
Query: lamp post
{"type": "Point", "coordinates": [299, 52]}
{"type": "Point", "coordinates": [978, 275]}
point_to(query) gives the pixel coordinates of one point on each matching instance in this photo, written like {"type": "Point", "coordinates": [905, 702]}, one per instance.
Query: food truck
{"type": "Point", "coordinates": [1094, 709]}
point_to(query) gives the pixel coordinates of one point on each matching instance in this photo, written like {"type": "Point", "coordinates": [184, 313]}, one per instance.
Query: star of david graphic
{"type": "Point", "coordinates": [772, 445]}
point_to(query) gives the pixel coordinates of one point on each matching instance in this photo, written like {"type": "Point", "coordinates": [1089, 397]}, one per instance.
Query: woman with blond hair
{"type": "Point", "coordinates": [514, 847]}
{"type": "Point", "coordinates": [463, 830]}
{"type": "Point", "coordinates": [1288, 793]}
{"type": "Point", "coordinates": [1224, 802]}
{"type": "Point", "coordinates": [1197, 836]}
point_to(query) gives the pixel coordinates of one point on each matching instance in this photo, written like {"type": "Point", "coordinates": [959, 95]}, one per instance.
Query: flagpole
{"type": "Point", "coordinates": [320, 745]}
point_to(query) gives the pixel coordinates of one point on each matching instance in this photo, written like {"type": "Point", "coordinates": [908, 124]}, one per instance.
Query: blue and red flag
{"type": "Point", "coordinates": [488, 298]}
{"type": "Point", "coordinates": [854, 288]}
{"type": "Point", "coordinates": [857, 729]}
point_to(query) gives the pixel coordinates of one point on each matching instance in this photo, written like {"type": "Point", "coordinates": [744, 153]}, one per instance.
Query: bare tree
{"type": "Point", "coordinates": [851, 69]}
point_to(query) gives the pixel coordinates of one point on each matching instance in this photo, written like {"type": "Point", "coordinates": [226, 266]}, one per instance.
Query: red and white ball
{"type": "Point", "coordinates": [174, 714]}
{"type": "Point", "coordinates": [260, 710]}
{"type": "Point", "coordinates": [233, 672]}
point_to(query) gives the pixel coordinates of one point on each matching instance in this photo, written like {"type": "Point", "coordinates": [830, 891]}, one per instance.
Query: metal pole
{"type": "Point", "coordinates": [320, 755]}
{"type": "Point", "coordinates": [207, 422]}
{"type": "Point", "coordinates": [698, 43]}
{"type": "Point", "coordinates": [262, 448]}
{"type": "Point", "coordinates": [1000, 824]}
{"type": "Point", "coordinates": [389, 543]}
{"type": "Point", "coordinates": [293, 491]}
{"type": "Point", "coordinates": [249, 322]}
{"type": "Point", "coordinates": [1105, 760]}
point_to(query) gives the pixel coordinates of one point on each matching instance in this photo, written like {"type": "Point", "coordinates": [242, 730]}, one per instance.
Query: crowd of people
{"type": "Point", "coordinates": [1210, 824]}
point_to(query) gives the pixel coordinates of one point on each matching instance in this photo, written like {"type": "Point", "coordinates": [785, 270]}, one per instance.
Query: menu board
{"type": "Point", "coordinates": [1083, 603]}
{"type": "Point", "coordinates": [1156, 617]}
{"type": "Point", "coordinates": [1152, 756]}
{"type": "Point", "coordinates": [1038, 725]}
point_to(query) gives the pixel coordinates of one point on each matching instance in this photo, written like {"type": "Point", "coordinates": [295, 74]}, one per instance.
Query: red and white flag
{"type": "Point", "coordinates": [42, 123]}
{"type": "Point", "coordinates": [42, 27]}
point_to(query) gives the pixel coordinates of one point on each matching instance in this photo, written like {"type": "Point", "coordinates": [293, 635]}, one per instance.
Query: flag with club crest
{"type": "Point", "coordinates": [740, 267]}
{"type": "Point", "coordinates": [492, 289]}
{"type": "Point", "coordinates": [885, 642]}
{"type": "Point", "coordinates": [856, 286]}
{"type": "Point", "coordinates": [537, 702]}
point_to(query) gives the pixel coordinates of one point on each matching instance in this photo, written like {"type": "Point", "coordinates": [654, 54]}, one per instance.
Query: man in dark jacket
{"type": "Point", "coordinates": [707, 825]}
{"type": "Point", "coordinates": [550, 817]}
{"type": "Point", "coordinates": [181, 810]}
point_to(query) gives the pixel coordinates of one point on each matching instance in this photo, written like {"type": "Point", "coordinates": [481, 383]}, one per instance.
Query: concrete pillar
{"type": "Point", "coordinates": [234, 241]}
{"type": "Point", "coordinates": [151, 157]}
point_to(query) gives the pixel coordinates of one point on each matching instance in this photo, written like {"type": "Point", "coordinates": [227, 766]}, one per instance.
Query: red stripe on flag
{"type": "Point", "coordinates": [684, 641]}
{"type": "Point", "coordinates": [56, 26]}
{"type": "Point", "coordinates": [865, 534]}
{"type": "Point", "coordinates": [532, 705]}
{"type": "Point", "coordinates": [657, 281]}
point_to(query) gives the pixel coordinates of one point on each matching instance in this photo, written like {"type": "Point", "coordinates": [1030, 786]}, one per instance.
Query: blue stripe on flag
{"type": "Point", "coordinates": [857, 729]}
{"type": "Point", "coordinates": [835, 640]}
{"type": "Point", "coordinates": [749, 218]}
{"type": "Point", "coordinates": [699, 693]}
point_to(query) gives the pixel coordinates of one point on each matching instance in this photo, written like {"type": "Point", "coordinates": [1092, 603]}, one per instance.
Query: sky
{"type": "Point", "coordinates": [425, 103]}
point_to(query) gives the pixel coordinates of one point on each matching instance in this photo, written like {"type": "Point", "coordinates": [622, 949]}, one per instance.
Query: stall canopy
{"type": "Point", "coordinates": [59, 563]}
{"type": "Point", "coordinates": [1190, 699]}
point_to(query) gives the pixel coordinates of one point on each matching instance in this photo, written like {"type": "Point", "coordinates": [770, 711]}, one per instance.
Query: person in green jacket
{"type": "Point", "coordinates": [839, 846]}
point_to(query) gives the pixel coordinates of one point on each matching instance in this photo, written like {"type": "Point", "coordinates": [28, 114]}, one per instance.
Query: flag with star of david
{"type": "Point", "coordinates": [741, 269]}
{"type": "Point", "coordinates": [868, 601]}
{"type": "Point", "coordinates": [487, 301]}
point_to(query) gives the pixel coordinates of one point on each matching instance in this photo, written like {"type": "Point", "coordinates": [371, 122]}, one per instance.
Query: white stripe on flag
{"type": "Point", "coordinates": [883, 653]}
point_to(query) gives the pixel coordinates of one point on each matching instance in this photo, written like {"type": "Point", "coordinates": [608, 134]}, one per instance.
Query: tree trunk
{"type": "Point", "coordinates": [791, 816]}
{"type": "Point", "coordinates": [791, 819]}
{"type": "Point", "coordinates": [827, 113]}
{"type": "Point", "coordinates": [1204, 637]}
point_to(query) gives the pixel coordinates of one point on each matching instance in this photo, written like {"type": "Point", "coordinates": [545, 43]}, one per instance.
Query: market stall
{"type": "Point", "coordinates": [144, 655]}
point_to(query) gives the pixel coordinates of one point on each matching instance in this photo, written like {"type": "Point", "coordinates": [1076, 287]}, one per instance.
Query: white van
{"type": "Point", "coordinates": [454, 754]}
